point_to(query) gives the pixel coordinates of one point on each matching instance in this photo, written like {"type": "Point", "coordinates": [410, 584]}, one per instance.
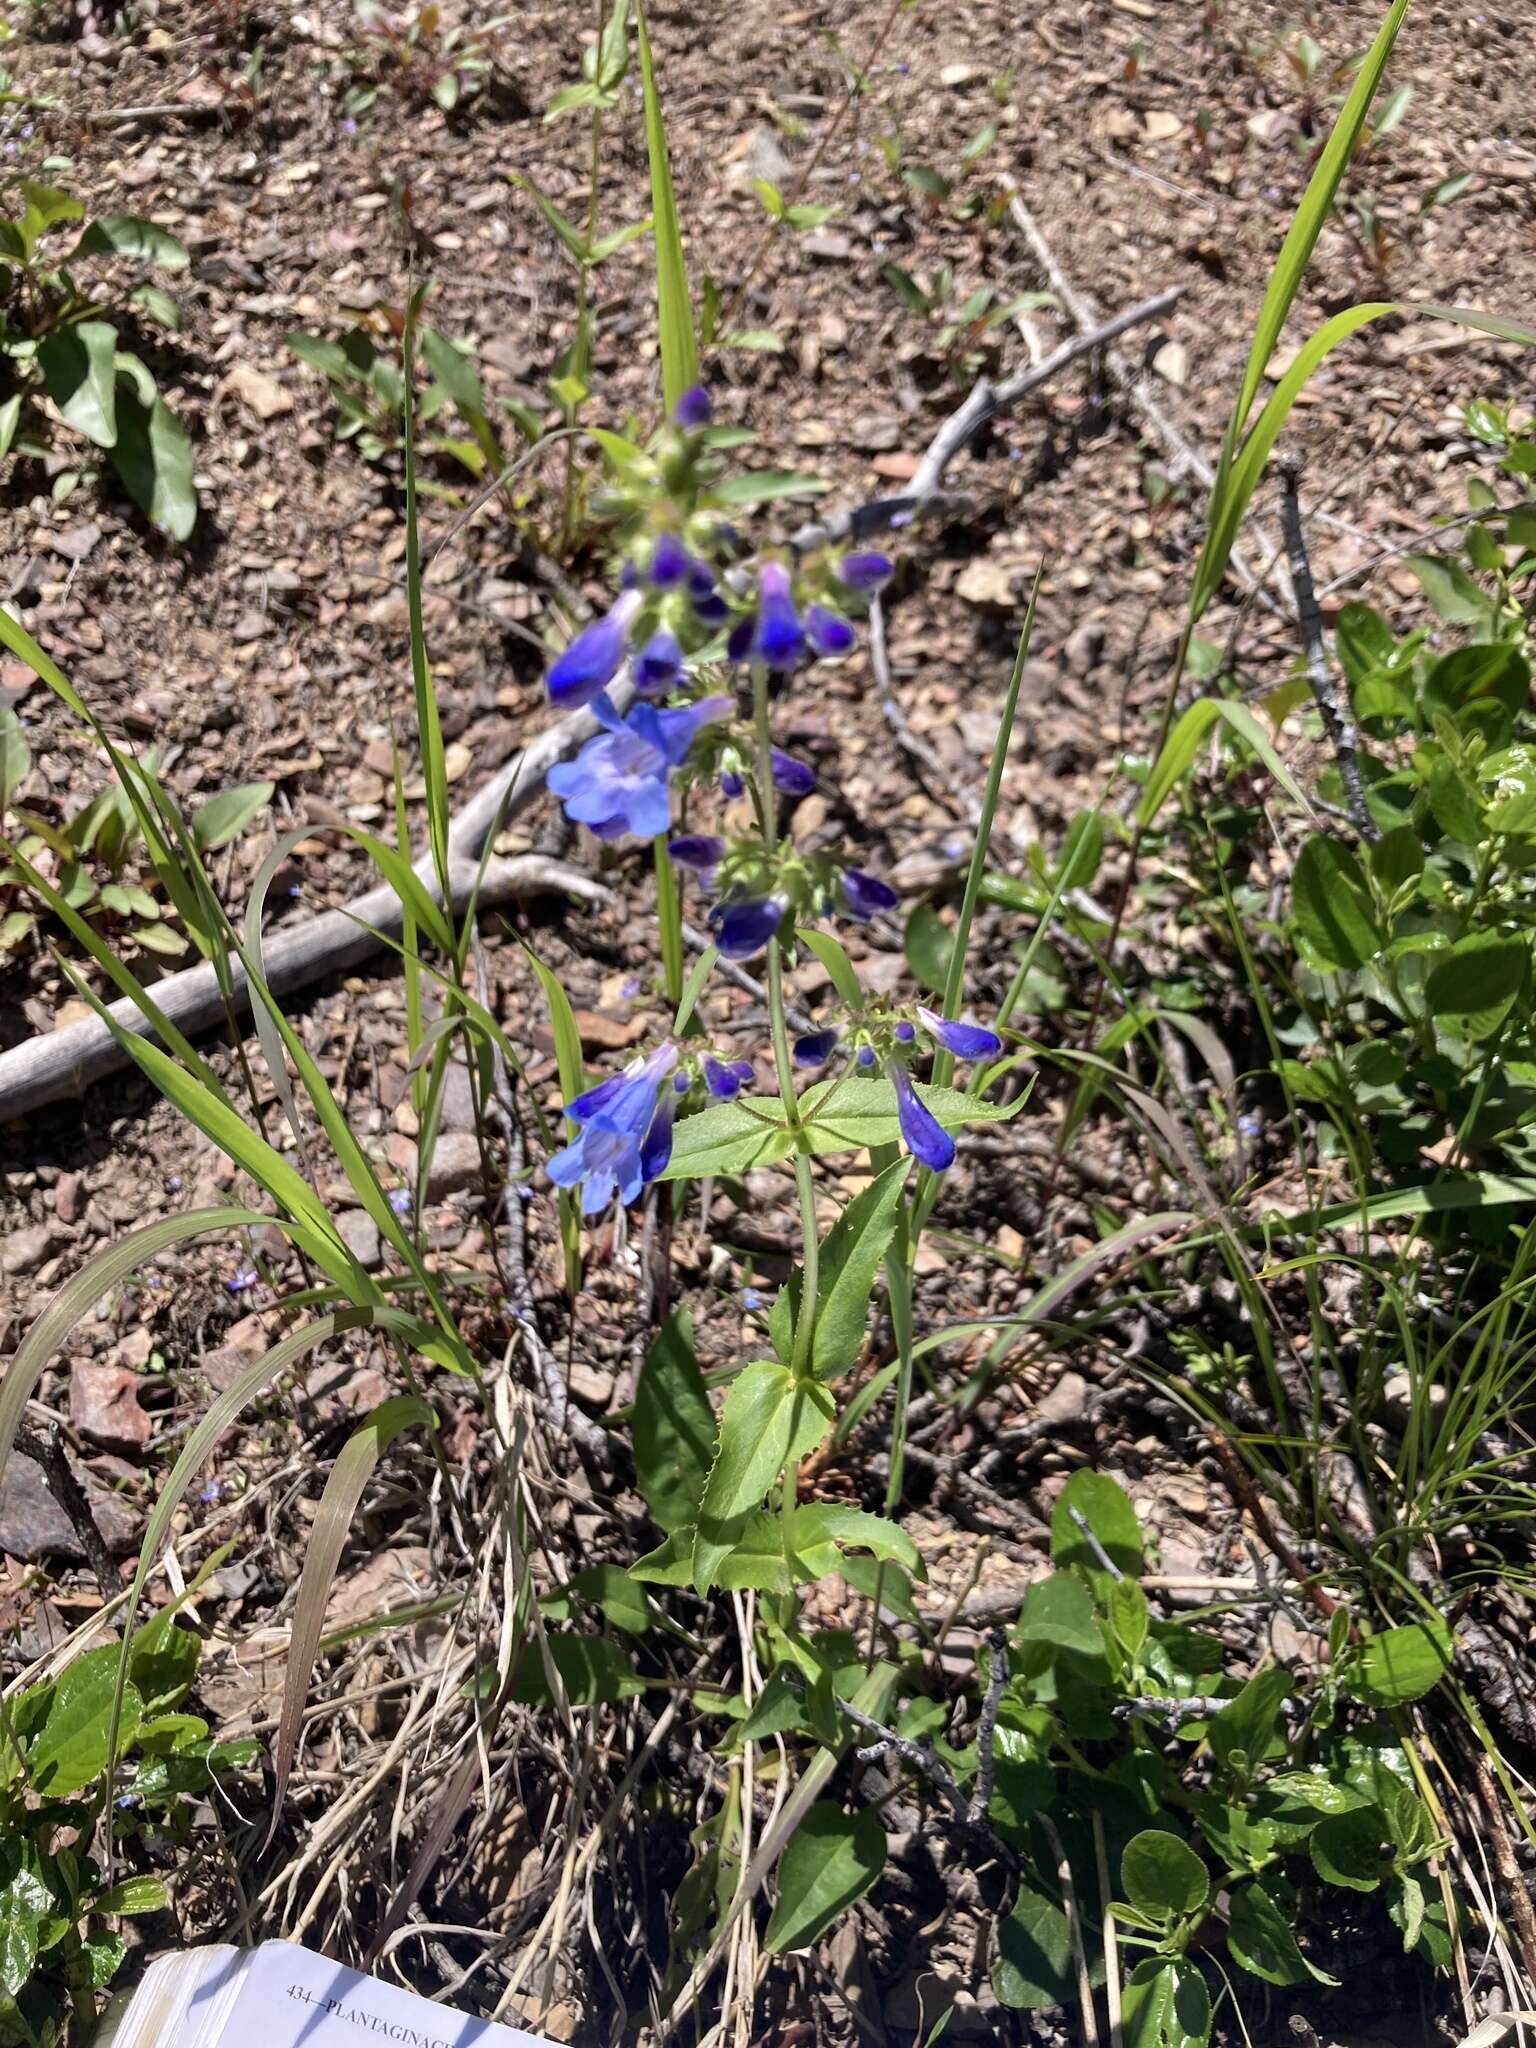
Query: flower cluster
{"type": "Point", "coordinates": [888, 1039]}
{"type": "Point", "coordinates": [625, 1135]}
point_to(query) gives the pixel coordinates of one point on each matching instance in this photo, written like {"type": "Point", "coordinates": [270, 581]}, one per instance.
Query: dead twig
{"type": "Point", "coordinates": [48, 1454]}
{"type": "Point", "coordinates": [1332, 702]}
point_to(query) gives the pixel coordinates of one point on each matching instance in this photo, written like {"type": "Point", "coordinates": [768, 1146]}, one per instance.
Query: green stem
{"type": "Point", "coordinates": [805, 1187]}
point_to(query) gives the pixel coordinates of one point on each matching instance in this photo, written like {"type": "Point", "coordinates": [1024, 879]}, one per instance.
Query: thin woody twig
{"type": "Point", "coordinates": [986, 1726]}
{"type": "Point", "coordinates": [921, 1759]}
{"type": "Point", "coordinates": [1332, 703]}
{"type": "Point", "coordinates": [47, 1452]}
{"type": "Point", "coordinates": [1101, 1556]}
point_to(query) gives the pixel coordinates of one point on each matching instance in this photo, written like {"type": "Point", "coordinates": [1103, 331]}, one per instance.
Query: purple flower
{"type": "Point", "coordinates": [659, 662]}
{"type": "Point", "coordinates": [752, 1299]}
{"type": "Point", "coordinates": [921, 1132]}
{"type": "Point", "coordinates": [865, 569]}
{"type": "Point", "coordinates": [670, 562]}
{"type": "Point", "coordinates": [731, 784]}
{"type": "Point", "coordinates": [866, 895]}
{"type": "Point", "coordinates": [242, 1278]}
{"type": "Point", "coordinates": [709, 607]}
{"type": "Point", "coordinates": [778, 641]}
{"type": "Point", "coordinates": [965, 1041]}
{"type": "Point", "coordinates": [400, 1201]}
{"type": "Point", "coordinates": [792, 776]}
{"type": "Point", "coordinates": [738, 643]}
{"type": "Point", "coordinates": [618, 782]}
{"type": "Point", "coordinates": [725, 1078]}
{"type": "Point", "coordinates": [745, 924]}
{"type": "Point", "coordinates": [815, 1048]}
{"type": "Point", "coordinates": [906, 1032]}
{"type": "Point", "coordinates": [700, 851]}
{"type": "Point", "coordinates": [828, 631]}
{"type": "Point", "coordinates": [693, 408]}
{"type": "Point", "coordinates": [591, 662]}
{"type": "Point", "coordinates": [626, 1133]}
{"type": "Point", "coordinates": [865, 1055]}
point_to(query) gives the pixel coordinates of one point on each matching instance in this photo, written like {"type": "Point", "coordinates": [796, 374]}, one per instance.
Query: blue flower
{"type": "Point", "coordinates": [400, 1201]}
{"type": "Point", "coordinates": [828, 631]}
{"type": "Point", "coordinates": [921, 1132]}
{"type": "Point", "coordinates": [731, 784]}
{"type": "Point", "coordinates": [591, 662]}
{"type": "Point", "coordinates": [725, 1078]}
{"type": "Point", "coordinates": [659, 663]}
{"type": "Point", "coordinates": [815, 1048]}
{"type": "Point", "coordinates": [865, 1055]}
{"type": "Point", "coordinates": [709, 607]}
{"type": "Point", "coordinates": [618, 782]}
{"type": "Point", "coordinates": [693, 408]}
{"type": "Point", "coordinates": [792, 776]}
{"type": "Point", "coordinates": [670, 562]}
{"type": "Point", "coordinates": [906, 1031]}
{"type": "Point", "coordinates": [866, 895]}
{"type": "Point", "coordinates": [744, 925]}
{"type": "Point", "coordinates": [865, 569]}
{"type": "Point", "coordinates": [626, 1133]}
{"type": "Point", "coordinates": [965, 1041]}
{"type": "Point", "coordinates": [738, 643]}
{"type": "Point", "coordinates": [778, 640]}
{"type": "Point", "coordinates": [700, 851]}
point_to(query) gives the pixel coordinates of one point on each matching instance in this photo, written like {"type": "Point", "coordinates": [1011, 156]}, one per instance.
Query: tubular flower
{"type": "Point", "coordinates": [778, 639]}
{"type": "Point", "coordinates": [828, 632]}
{"type": "Point", "coordinates": [815, 1048]}
{"type": "Point", "coordinates": [725, 1078]}
{"type": "Point", "coordinates": [693, 408]}
{"type": "Point", "coordinates": [744, 925]}
{"type": "Point", "coordinates": [670, 562]}
{"type": "Point", "coordinates": [626, 1133]}
{"type": "Point", "coordinates": [591, 662]}
{"type": "Point", "coordinates": [700, 851]}
{"type": "Point", "coordinates": [618, 782]}
{"type": "Point", "coordinates": [659, 664]}
{"type": "Point", "coordinates": [965, 1041]}
{"type": "Point", "coordinates": [921, 1132]}
{"type": "Point", "coordinates": [790, 775]}
{"type": "Point", "coordinates": [865, 569]}
{"type": "Point", "coordinates": [866, 895]}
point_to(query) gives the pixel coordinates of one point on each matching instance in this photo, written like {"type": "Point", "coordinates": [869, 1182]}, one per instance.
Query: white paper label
{"type": "Point", "coordinates": [292, 1999]}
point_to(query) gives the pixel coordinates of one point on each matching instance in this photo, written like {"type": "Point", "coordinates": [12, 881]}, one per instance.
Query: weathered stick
{"type": "Point", "coordinates": [58, 1064]}
{"type": "Point", "coordinates": [47, 1452]}
{"type": "Point", "coordinates": [1332, 702]}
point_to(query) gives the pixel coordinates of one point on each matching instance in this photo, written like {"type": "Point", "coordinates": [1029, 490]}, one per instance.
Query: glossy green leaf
{"type": "Point", "coordinates": [127, 234]}
{"type": "Point", "coordinates": [674, 309]}
{"type": "Point", "coordinates": [1105, 1506]}
{"type": "Point", "coordinates": [1477, 981]}
{"type": "Point", "coordinates": [1163, 1876]}
{"type": "Point", "coordinates": [1165, 2004]}
{"type": "Point", "coordinates": [1400, 1664]}
{"type": "Point", "coordinates": [1034, 1953]}
{"type": "Point", "coordinates": [1184, 742]}
{"type": "Point", "coordinates": [1261, 1939]}
{"type": "Point", "coordinates": [674, 1427]}
{"type": "Point", "coordinates": [72, 1747]}
{"type": "Point", "coordinates": [841, 1115]}
{"type": "Point", "coordinates": [225, 816]}
{"type": "Point", "coordinates": [850, 1262]}
{"type": "Point", "coordinates": [770, 1419]}
{"type": "Point", "coordinates": [830, 1860]}
{"type": "Point", "coordinates": [1058, 1611]}
{"type": "Point", "coordinates": [1346, 1849]}
{"type": "Point", "coordinates": [1335, 915]}
{"type": "Point", "coordinates": [153, 457]}
{"type": "Point", "coordinates": [79, 366]}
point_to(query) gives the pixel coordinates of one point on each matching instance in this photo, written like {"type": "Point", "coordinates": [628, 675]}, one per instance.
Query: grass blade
{"type": "Point", "coordinates": [674, 309]}
{"type": "Point", "coordinates": [343, 1490]}
{"type": "Point", "coordinates": [429, 731]}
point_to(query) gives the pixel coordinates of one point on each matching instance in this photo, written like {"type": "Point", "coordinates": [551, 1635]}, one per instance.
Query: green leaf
{"type": "Point", "coordinates": [1165, 2004]}
{"type": "Point", "coordinates": [1106, 1508]}
{"type": "Point", "coordinates": [1405, 1907]}
{"type": "Point", "coordinates": [133, 1895]}
{"type": "Point", "coordinates": [153, 457]}
{"type": "Point", "coordinates": [18, 1944]}
{"type": "Point", "coordinates": [594, 1671]}
{"type": "Point", "coordinates": [1335, 916]}
{"type": "Point", "coordinates": [1184, 742]}
{"type": "Point", "coordinates": [1250, 1722]}
{"type": "Point", "coordinates": [1450, 590]}
{"type": "Point", "coordinates": [830, 1860]}
{"type": "Point", "coordinates": [760, 486]}
{"type": "Point", "coordinates": [1262, 1941]}
{"type": "Point", "coordinates": [158, 304]}
{"type": "Point", "coordinates": [564, 227]}
{"type": "Point", "coordinates": [125, 234]}
{"type": "Point", "coordinates": [162, 1663]}
{"type": "Point", "coordinates": [45, 206]}
{"type": "Point", "coordinates": [70, 1749]}
{"type": "Point", "coordinates": [328, 357]}
{"type": "Point", "coordinates": [770, 1419]}
{"type": "Point", "coordinates": [906, 285]}
{"type": "Point", "coordinates": [1364, 642]}
{"type": "Point", "coordinates": [1058, 1611]}
{"type": "Point", "coordinates": [729, 1137]}
{"type": "Point", "coordinates": [817, 1523]}
{"type": "Point", "coordinates": [674, 1427]}
{"type": "Point", "coordinates": [105, 1953]}
{"type": "Point", "coordinates": [1163, 1876]}
{"type": "Point", "coordinates": [850, 1263]}
{"type": "Point", "coordinates": [674, 310]}
{"type": "Point", "coordinates": [1400, 1664]}
{"type": "Point", "coordinates": [454, 368]}
{"type": "Point", "coordinates": [1496, 670]}
{"type": "Point", "coordinates": [616, 239]}
{"type": "Point", "coordinates": [15, 758]}
{"type": "Point", "coordinates": [779, 1707]}
{"type": "Point", "coordinates": [611, 57]}
{"type": "Point", "coordinates": [928, 943]}
{"type": "Point", "coordinates": [79, 366]}
{"type": "Point", "coordinates": [1346, 1848]}
{"type": "Point", "coordinates": [225, 816]}
{"type": "Point", "coordinates": [1034, 1961]}
{"type": "Point", "coordinates": [10, 415]}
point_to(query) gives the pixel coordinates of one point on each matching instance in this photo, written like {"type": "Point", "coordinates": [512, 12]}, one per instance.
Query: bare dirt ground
{"type": "Point", "coordinates": [1158, 143]}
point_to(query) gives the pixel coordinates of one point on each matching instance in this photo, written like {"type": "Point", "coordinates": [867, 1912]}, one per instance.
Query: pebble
{"type": "Point", "coordinates": [104, 1406]}
{"type": "Point", "coordinates": [360, 1234]}
{"type": "Point", "coordinates": [455, 1165]}
{"type": "Point", "coordinates": [23, 1251]}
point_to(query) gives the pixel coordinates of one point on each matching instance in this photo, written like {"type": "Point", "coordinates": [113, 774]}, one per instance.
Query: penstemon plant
{"type": "Point", "coordinates": [704, 638]}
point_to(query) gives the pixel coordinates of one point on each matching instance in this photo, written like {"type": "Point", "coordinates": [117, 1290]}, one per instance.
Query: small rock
{"type": "Point", "coordinates": [1172, 362]}
{"type": "Point", "coordinates": [258, 392]}
{"type": "Point", "coordinates": [1161, 127]}
{"type": "Point", "coordinates": [824, 247]}
{"type": "Point", "coordinates": [1397, 1396]}
{"type": "Point", "coordinates": [76, 542]}
{"type": "Point", "coordinates": [875, 431]}
{"type": "Point", "coordinates": [959, 74]}
{"type": "Point", "coordinates": [33, 1525]}
{"type": "Point", "coordinates": [455, 1165]}
{"type": "Point", "coordinates": [456, 1110]}
{"type": "Point", "coordinates": [400, 1151]}
{"type": "Point", "coordinates": [1084, 647]}
{"type": "Point", "coordinates": [1268, 125]}
{"type": "Point", "coordinates": [989, 584]}
{"type": "Point", "coordinates": [67, 1199]}
{"type": "Point", "coordinates": [591, 1386]}
{"type": "Point", "coordinates": [608, 1034]}
{"type": "Point", "coordinates": [23, 1251]}
{"type": "Point", "coordinates": [104, 1406]}
{"type": "Point", "coordinates": [763, 159]}
{"type": "Point", "coordinates": [1065, 1402]}
{"type": "Point", "coordinates": [251, 625]}
{"type": "Point", "coordinates": [901, 467]}
{"type": "Point", "coordinates": [360, 1234]}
